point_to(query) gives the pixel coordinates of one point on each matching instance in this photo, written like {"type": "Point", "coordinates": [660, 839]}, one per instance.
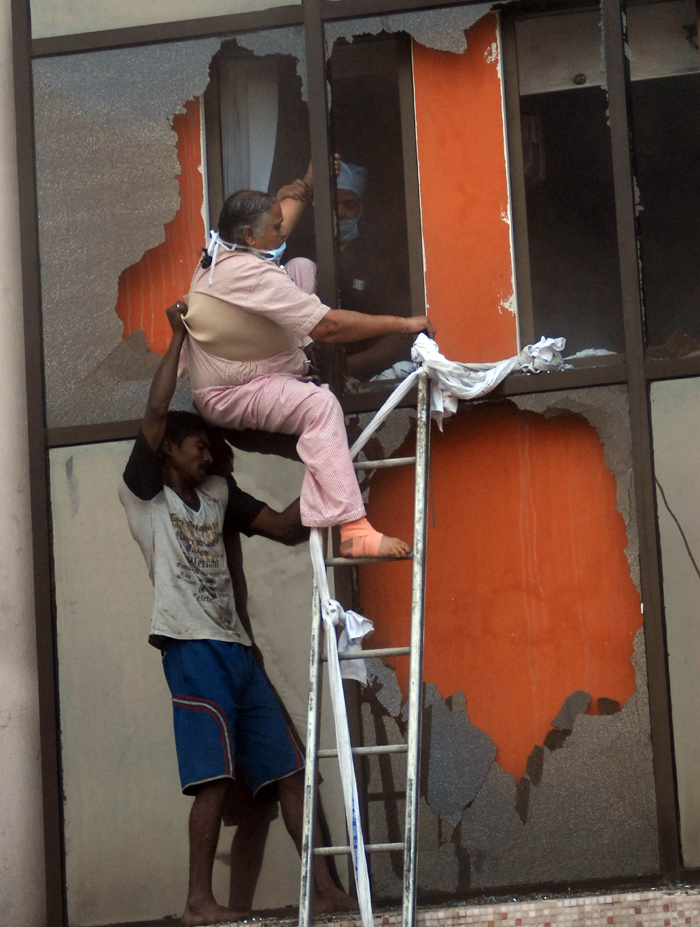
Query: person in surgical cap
{"type": "Point", "coordinates": [366, 283]}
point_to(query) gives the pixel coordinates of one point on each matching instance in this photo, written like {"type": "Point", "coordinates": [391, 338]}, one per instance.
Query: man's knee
{"type": "Point", "coordinates": [292, 785]}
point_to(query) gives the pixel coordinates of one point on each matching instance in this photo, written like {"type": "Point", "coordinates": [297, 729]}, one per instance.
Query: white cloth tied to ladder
{"type": "Point", "coordinates": [450, 382]}
{"type": "Point", "coordinates": [355, 625]}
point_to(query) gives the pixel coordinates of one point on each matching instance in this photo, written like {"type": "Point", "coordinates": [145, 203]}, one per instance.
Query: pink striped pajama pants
{"type": "Point", "coordinates": [330, 494]}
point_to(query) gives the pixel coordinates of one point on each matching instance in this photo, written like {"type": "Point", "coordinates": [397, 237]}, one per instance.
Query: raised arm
{"type": "Point", "coordinates": [165, 379]}
{"type": "Point", "coordinates": [293, 200]}
{"type": "Point", "coordinates": [295, 197]}
{"type": "Point", "coordinates": [340, 325]}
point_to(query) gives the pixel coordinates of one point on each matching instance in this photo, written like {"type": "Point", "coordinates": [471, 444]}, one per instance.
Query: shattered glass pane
{"type": "Point", "coordinates": [665, 70]}
{"type": "Point", "coordinates": [567, 165]}
{"type": "Point", "coordinates": [107, 181]}
{"type": "Point", "coordinates": [573, 799]}
{"type": "Point", "coordinates": [130, 144]}
{"type": "Point", "coordinates": [674, 405]}
{"type": "Point", "coordinates": [65, 17]}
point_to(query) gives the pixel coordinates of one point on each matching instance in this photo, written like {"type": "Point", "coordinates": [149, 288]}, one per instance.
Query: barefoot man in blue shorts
{"type": "Point", "coordinates": [225, 714]}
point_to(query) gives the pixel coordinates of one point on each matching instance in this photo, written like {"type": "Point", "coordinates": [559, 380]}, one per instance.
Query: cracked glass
{"type": "Point", "coordinates": [536, 743]}
{"type": "Point", "coordinates": [137, 149]}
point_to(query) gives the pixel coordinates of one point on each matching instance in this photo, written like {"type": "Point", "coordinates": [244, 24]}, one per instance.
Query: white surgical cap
{"type": "Point", "coordinates": [352, 177]}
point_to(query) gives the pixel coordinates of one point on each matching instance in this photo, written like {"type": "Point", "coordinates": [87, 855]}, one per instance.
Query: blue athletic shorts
{"type": "Point", "coordinates": [225, 715]}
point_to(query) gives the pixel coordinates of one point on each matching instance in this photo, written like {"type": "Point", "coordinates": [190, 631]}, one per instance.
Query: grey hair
{"type": "Point", "coordinates": [245, 209]}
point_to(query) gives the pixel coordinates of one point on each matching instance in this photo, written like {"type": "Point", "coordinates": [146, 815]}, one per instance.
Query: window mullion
{"type": "Point", "coordinates": [640, 423]}
{"type": "Point", "coordinates": [320, 152]}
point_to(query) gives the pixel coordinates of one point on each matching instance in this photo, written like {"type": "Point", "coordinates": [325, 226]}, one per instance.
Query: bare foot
{"type": "Point", "coordinates": [388, 547]}
{"type": "Point", "coordinates": [333, 900]}
{"type": "Point", "coordinates": [198, 915]}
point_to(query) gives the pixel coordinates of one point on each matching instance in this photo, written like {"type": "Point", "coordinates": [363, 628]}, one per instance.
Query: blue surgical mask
{"type": "Point", "coordinates": [348, 230]}
{"type": "Point", "coordinates": [271, 255]}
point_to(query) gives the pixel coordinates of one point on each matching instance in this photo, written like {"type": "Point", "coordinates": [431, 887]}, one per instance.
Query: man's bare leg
{"type": "Point", "coordinates": [247, 851]}
{"type": "Point", "coordinates": [205, 824]}
{"type": "Point", "coordinates": [327, 896]}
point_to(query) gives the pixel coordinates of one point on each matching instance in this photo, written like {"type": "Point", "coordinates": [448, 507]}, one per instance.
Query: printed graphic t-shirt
{"type": "Point", "coordinates": [184, 548]}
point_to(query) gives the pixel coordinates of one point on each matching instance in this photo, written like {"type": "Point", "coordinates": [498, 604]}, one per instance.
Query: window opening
{"type": "Point", "coordinates": [665, 92]}
{"type": "Point", "coordinates": [567, 166]}
{"type": "Point", "coordinates": [373, 253]}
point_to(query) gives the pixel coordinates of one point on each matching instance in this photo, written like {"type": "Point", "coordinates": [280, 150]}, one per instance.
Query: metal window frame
{"type": "Point", "coordinates": [633, 369]}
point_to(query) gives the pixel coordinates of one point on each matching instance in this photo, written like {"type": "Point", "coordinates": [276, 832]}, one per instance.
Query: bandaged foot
{"type": "Point", "coordinates": [359, 539]}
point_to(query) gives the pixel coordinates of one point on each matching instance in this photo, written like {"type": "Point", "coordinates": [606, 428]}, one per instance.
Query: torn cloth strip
{"type": "Point", "coordinates": [452, 380]}
{"type": "Point", "coordinates": [356, 627]}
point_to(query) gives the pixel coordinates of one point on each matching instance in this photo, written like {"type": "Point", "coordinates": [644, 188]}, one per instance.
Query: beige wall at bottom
{"type": "Point", "coordinates": [22, 899]}
{"type": "Point", "coordinates": [126, 838]}
{"type": "Point", "coordinates": [676, 425]}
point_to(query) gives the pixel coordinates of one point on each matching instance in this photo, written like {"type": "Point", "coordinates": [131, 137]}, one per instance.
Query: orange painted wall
{"type": "Point", "coordinates": [529, 595]}
{"type": "Point", "coordinates": [464, 195]}
{"type": "Point", "coordinates": [164, 273]}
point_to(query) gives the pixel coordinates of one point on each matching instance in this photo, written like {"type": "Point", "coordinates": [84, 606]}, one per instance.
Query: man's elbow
{"type": "Point", "coordinates": [292, 535]}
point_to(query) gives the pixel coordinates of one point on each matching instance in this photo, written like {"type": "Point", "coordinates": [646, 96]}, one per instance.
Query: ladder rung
{"type": "Point", "coordinates": [383, 464]}
{"type": "Point", "coordinates": [367, 654]}
{"type": "Point", "coordinates": [356, 561]}
{"type": "Point", "coordinates": [369, 848]}
{"type": "Point", "coordinates": [376, 750]}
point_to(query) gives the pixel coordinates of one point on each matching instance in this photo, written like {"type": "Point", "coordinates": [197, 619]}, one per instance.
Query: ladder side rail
{"type": "Point", "coordinates": [313, 725]}
{"type": "Point", "coordinates": [415, 686]}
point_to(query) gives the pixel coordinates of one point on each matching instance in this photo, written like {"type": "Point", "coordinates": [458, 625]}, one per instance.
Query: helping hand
{"type": "Point", "coordinates": [297, 190]}
{"type": "Point", "coordinates": [175, 314]}
{"type": "Point", "coordinates": [419, 323]}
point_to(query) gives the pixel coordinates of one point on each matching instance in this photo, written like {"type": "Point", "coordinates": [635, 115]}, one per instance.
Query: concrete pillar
{"type": "Point", "coordinates": [22, 898]}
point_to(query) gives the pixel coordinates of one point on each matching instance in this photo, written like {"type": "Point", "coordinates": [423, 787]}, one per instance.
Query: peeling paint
{"type": "Point", "coordinates": [491, 54]}
{"type": "Point", "coordinates": [508, 304]}
{"type": "Point", "coordinates": [107, 184]}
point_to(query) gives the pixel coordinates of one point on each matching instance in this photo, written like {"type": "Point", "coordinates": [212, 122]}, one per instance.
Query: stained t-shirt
{"type": "Point", "coordinates": [184, 548]}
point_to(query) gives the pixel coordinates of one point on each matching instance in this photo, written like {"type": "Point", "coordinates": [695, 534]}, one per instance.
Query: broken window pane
{"type": "Point", "coordinates": [665, 71]}
{"type": "Point", "coordinates": [567, 165]}
{"type": "Point", "coordinates": [373, 257]}
{"type": "Point", "coordinates": [676, 454]}
{"type": "Point", "coordinates": [118, 182]}
{"type": "Point", "coordinates": [257, 122]}
{"type": "Point", "coordinates": [65, 17]}
{"type": "Point", "coordinates": [122, 139]}
{"type": "Point", "coordinates": [417, 98]}
{"type": "Point", "coordinates": [536, 722]}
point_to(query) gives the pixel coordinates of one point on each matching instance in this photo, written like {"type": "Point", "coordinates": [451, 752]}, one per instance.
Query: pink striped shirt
{"type": "Point", "coordinates": [262, 287]}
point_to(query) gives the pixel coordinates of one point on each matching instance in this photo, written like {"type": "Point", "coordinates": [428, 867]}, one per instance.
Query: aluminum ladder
{"type": "Point", "coordinates": [415, 651]}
